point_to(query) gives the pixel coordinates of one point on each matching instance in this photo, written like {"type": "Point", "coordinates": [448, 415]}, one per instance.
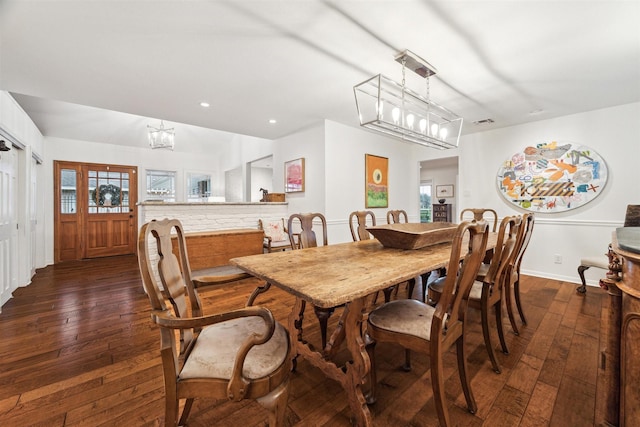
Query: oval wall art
{"type": "Point", "coordinates": [552, 177]}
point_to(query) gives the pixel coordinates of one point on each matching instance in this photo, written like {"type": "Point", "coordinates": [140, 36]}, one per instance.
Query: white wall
{"type": "Point", "coordinates": [308, 144]}
{"type": "Point", "coordinates": [345, 177]}
{"type": "Point", "coordinates": [442, 173]}
{"type": "Point", "coordinates": [614, 133]}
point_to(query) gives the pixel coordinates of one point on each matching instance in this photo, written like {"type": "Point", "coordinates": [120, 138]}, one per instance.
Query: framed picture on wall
{"type": "Point", "coordinates": [294, 176]}
{"type": "Point", "coordinates": [444, 190]}
{"type": "Point", "coordinates": [376, 181]}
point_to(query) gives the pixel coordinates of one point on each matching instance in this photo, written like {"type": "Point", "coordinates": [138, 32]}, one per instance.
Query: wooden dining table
{"type": "Point", "coordinates": [345, 274]}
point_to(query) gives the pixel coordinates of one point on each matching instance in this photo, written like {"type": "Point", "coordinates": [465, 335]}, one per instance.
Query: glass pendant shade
{"type": "Point", "coordinates": [161, 137]}
{"type": "Point", "coordinates": [388, 107]}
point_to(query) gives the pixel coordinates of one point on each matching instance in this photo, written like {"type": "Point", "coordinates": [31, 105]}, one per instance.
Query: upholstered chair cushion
{"type": "Point", "coordinates": [404, 316]}
{"type": "Point", "coordinates": [217, 345]}
{"type": "Point", "coordinates": [276, 232]}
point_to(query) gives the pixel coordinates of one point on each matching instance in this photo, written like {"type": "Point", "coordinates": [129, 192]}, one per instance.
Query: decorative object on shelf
{"type": "Point", "coordinates": [391, 108]}
{"type": "Point", "coordinates": [4, 146]}
{"type": "Point", "coordinates": [552, 177]}
{"type": "Point", "coordinates": [294, 176]}
{"type": "Point", "coordinates": [444, 190]}
{"type": "Point", "coordinates": [265, 192]}
{"type": "Point", "coordinates": [161, 137]}
{"type": "Point", "coordinates": [442, 201]}
{"type": "Point", "coordinates": [107, 195]}
{"type": "Point", "coordinates": [376, 181]}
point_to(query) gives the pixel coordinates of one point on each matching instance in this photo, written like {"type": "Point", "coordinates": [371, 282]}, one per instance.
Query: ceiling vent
{"type": "Point", "coordinates": [484, 122]}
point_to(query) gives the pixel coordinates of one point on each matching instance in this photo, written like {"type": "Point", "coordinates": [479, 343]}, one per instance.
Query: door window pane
{"type": "Point", "coordinates": [425, 202]}
{"type": "Point", "coordinates": [106, 193]}
{"type": "Point", "coordinates": [68, 191]}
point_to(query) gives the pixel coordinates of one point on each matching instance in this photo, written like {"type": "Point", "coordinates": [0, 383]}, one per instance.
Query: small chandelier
{"type": "Point", "coordinates": [161, 137]}
{"type": "Point", "coordinates": [390, 108]}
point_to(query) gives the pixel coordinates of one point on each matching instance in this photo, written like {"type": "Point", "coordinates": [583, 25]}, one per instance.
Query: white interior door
{"type": "Point", "coordinates": [8, 224]}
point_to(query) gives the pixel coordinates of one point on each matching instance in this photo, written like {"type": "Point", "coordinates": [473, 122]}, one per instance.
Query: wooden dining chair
{"type": "Point", "coordinates": [417, 326]}
{"type": "Point", "coordinates": [302, 236]}
{"type": "Point", "coordinates": [358, 224]}
{"type": "Point", "coordinates": [242, 354]}
{"type": "Point", "coordinates": [478, 214]}
{"type": "Point", "coordinates": [513, 280]}
{"type": "Point", "coordinates": [488, 293]}
{"type": "Point", "coordinates": [397, 216]}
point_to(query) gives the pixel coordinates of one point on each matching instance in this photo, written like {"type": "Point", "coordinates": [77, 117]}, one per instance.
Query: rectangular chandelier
{"type": "Point", "coordinates": [161, 137]}
{"type": "Point", "coordinates": [390, 108]}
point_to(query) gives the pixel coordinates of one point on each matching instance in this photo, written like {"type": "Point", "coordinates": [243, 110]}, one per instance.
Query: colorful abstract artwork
{"type": "Point", "coordinates": [552, 177]}
{"type": "Point", "coordinates": [377, 187]}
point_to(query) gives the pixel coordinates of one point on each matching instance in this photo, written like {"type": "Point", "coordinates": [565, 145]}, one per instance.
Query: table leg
{"type": "Point", "coordinates": [358, 368]}
{"type": "Point", "coordinates": [355, 373]}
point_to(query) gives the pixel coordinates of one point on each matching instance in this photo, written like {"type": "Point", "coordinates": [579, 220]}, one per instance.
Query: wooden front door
{"type": "Point", "coordinates": [96, 211]}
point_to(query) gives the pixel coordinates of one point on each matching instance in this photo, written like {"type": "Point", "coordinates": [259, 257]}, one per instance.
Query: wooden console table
{"type": "Point", "coordinates": [622, 370]}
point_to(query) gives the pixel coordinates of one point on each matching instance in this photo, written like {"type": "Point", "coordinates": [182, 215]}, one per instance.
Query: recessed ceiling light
{"type": "Point", "coordinates": [273, 121]}
{"type": "Point", "coordinates": [536, 112]}
{"type": "Point", "coordinates": [205, 104]}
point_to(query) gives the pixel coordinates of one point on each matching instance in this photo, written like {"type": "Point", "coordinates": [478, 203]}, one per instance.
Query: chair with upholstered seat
{"type": "Point", "coordinates": [631, 219]}
{"type": "Point", "coordinates": [397, 216]}
{"type": "Point", "coordinates": [242, 354]}
{"type": "Point", "coordinates": [300, 228]}
{"type": "Point", "coordinates": [488, 293]}
{"type": "Point", "coordinates": [417, 326]}
{"type": "Point", "coordinates": [490, 215]}
{"type": "Point", "coordinates": [513, 281]}
{"type": "Point", "coordinates": [276, 237]}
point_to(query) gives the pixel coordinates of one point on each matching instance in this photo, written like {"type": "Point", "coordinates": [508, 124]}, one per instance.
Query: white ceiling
{"type": "Point", "coordinates": [297, 61]}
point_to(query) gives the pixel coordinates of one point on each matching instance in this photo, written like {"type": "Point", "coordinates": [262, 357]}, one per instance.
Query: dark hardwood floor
{"type": "Point", "coordinates": [77, 348]}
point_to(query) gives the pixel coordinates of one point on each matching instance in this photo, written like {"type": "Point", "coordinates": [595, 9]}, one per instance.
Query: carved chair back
{"type": "Point", "coordinates": [480, 213]}
{"type": "Point", "coordinates": [397, 216]}
{"type": "Point", "coordinates": [306, 236]}
{"type": "Point", "coordinates": [358, 224]}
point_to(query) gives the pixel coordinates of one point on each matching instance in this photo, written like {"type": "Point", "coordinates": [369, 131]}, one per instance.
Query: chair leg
{"type": "Point", "coordinates": [437, 381]}
{"type": "Point", "coordinates": [464, 378]}
{"type": "Point", "coordinates": [486, 332]}
{"type": "Point", "coordinates": [516, 293]}
{"type": "Point", "coordinates": [500, 327]}
{"type": "Point", "coordinates": [370, 346]}
{"type": "Point", "coordinates": [407, 360]}
{"type": "Point", "coordinates": [276, 403]}
{"type": "Point", "coordinates": [509, 303]}
{"type": "Point", "coordinates": [185, 412]}
{"type": "Point", "coordinates": [582, 289]}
